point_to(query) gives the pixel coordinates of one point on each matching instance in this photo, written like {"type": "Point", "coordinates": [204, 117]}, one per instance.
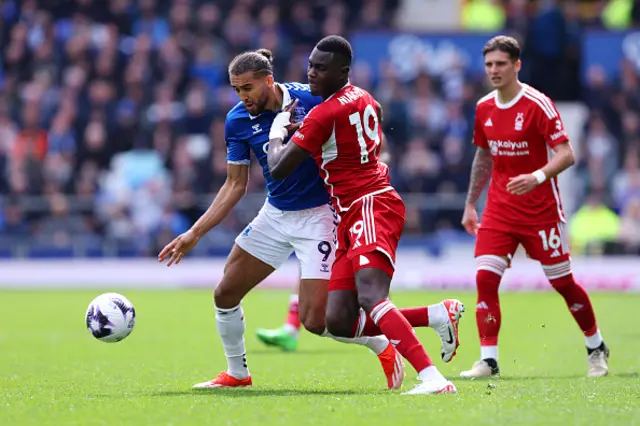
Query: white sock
{"type": "Point", "coordinates": [489, 352]}
{"type": "Point", "coordinates": [594, 341]}
{"type": "Point", "coordinates": [376, 343]}
{"type": "Point", "coordinates": [290, 329]}
{"type": "Point", "coordinates": [437, 315]}
{"type": "Point", "coordinates": [230, 323]}
{"type": "Point", "coordinates": [431, 374]}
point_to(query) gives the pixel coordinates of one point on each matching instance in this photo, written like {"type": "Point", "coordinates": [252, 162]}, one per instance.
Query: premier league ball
{"type": "Point", "coordinates": [110, 317]}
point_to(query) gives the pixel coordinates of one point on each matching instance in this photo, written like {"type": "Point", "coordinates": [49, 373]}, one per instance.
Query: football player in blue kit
{"type": "Point", "coordinates": [296, 217]}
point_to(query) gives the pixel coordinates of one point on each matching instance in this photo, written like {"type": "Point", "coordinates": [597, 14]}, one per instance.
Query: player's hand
{"type": "Point", "coordinates": [177, 248]}
{"type": "Point", "coordinates": [292, 127]}
{"type": "Point", "coordinates": [470, 220]}
{"type": "Point", "coordinates": [282, 125]}
{"type": "Point", "coordinates": [522, 184]}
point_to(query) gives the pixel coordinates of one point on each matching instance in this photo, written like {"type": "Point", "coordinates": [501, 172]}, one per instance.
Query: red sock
{"type": "Point", "coordinates": [400, 333]}
{"type": "Point", "coordinates": [578, 302]}
{"type": "Point", "coordinates": [488, 315]}
{"type": "Point", "coordinates": [293, 316]}
{"type": "Point", "coordinates": [416, 317]}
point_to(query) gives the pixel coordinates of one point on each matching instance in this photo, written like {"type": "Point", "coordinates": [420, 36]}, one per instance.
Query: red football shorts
{"type": "Point", "coordinates": [545, 243]}
{"type": "Point", "coordinates": [368, 236]}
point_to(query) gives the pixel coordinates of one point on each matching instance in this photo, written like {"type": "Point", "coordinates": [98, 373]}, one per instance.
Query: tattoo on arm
{"type": "Point", "coordinates": [480, 174]}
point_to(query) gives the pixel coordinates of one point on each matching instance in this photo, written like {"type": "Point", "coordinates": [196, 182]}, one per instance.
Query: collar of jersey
{"type": "Point", "coordinates": [286, 100]}
{"type": "Point", "coordinates": [348, 84]}
{"type": "Point", "coordinates": [513, 101]}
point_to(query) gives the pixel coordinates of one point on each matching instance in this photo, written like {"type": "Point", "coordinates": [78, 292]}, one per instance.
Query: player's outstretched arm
{"type": "Point", "coordinates": [480, 175]}
{"type": "Point", "coordinates": [525, 183]}
{"type": "Point", "coordinates": [233, 189]}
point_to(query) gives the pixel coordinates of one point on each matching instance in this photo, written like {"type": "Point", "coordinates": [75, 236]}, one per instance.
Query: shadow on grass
{"type": "Point", "coordinates": [240, 393]}
{"type": "Point", "coordinates": [261, 392]}
{"type": "Point", "coordinates": [276, 351]}
{"type": "Point", "coordinates": [624, 375]}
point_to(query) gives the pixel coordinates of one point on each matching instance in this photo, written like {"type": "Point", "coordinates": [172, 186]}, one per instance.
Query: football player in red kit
{"type": "Point", "coordinates": [343, 134]}
{"type": "Point", "coordinates": [522, 146]}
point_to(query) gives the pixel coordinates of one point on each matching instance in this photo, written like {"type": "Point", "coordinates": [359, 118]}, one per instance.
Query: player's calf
{"type": "Point", "coordinates": [579, 304]}
{"type": "Point", "coordinates": [242, 273]}
{"type": "Point", "coordinates": [373, 284]}
{"type": "Point", "coordinates": [313, 304]}
{"type": "Point", "coordinates": [488, 315]}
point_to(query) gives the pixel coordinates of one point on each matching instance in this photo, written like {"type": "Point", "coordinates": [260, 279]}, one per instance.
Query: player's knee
{"type": "Point", "coordinates": [313, 319]}
{"type": "Point", "coordinates": [339, 325]}
{"type": "Point", "coordinates": [342, 312]}
{"type": "Point", "coordinates": [489, 272]}
{"type": "Point", "coordinates": [559, 275]}
{"type": "Point", "coordinates": [339, 320]}
{"type": "Point", "coordinates": [314, 326]}
{"type": "Point", "coordinates": [373, 286]}
{"type": "Point", "coordinates": [225, 297]}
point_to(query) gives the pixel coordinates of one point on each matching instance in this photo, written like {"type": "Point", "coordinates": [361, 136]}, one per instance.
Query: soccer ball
{"type": "Point", "coordinates": [110, 317]}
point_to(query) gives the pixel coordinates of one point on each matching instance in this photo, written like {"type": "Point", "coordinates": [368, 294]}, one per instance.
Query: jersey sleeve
{"type": "Point", "coordinates": [315, 131]}
{"type": "Point", "coordinates": [479, 138]}
{"type": "Point", "coordinates": [551, 125]}
{"type": "Point", "coordinates": [238, 151]}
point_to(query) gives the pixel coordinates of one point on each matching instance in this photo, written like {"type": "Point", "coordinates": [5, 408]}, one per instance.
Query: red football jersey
{"type": "Point", "coordinates": [343, 133]}
{"type": "Point", "coordinates": [520, 135]}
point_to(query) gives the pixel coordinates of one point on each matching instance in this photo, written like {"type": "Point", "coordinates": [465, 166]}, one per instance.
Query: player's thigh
{"type": "Point", "coordinates": [547, 244]}
{"type": "Point", "coordinates": [259, 250]}
{"type": "Point", "coordinates": [493, 243]}
{"type": "Point", "coordinates": [313, 304]}
{"type": "Point", "coordinates": [265, 239]}
{"type": "Point", "coordinates": [242, 272]}
{"type": "Point", "coordinates": [375, 225]}
{"type": "Point", "coordinates": [313, 237]}
{"type": "Point", "coordinates": [374, 235]}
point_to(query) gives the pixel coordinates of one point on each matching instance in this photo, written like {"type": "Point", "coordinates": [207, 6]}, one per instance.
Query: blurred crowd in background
{"type": "Point", "coordinates": [112, 116]}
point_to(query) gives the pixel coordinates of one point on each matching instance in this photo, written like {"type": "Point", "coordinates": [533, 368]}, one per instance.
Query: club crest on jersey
{"type": "Point", "coordinates": [298, 114]}
{"type": "Point", "coordinates": [494, 147]}
{"type": "Point", "coordinates": [519, 121]}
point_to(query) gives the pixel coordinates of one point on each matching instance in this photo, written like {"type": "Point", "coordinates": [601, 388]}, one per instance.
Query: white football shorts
{"type": "Point", "coordinates": [274, 234]}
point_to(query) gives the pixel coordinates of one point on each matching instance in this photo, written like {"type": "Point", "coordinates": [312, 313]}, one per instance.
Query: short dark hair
{"type": "Point", "coordinates": [259, 62]}
{"type": "Point", "coordinates": [504, 44]}
{"type": "Point", "coordinates": [337, 45]}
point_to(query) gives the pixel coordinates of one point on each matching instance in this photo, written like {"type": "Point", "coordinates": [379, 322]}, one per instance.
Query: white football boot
{"type": "Point", "coordinates": [483, 368]}
{"type": "Point", "coordinates": [448, 331]}
{"type": "Point", "coordinates": [432, 383]}
{"type": "Point", "coordinates": [433, 387]}
{"type": "Point", "coordinates": [598, 361]}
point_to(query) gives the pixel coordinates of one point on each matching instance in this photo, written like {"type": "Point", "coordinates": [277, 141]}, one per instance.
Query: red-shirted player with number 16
{"type": "Point", "coordinates": [517, 132]}
{"type": "Point", "coordinates": [343, 134]}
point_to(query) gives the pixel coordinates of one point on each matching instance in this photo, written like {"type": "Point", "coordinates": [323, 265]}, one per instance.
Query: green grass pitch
{"type": "Point", "coordinates": [53, 372]}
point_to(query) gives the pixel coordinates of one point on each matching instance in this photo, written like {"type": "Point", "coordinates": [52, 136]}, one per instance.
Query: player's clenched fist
{"type": "Point", "coordinates": [177, 248]}
{"type": "Point", "coordinates": [470, 220]}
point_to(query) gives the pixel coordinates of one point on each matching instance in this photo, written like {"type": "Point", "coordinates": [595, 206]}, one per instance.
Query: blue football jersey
{"type": "Point", "coordinates": [303, 189]}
